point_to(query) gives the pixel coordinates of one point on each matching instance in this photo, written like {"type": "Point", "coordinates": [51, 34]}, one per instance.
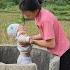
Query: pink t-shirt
{"type": "Point", "coordinates": [50, 28]}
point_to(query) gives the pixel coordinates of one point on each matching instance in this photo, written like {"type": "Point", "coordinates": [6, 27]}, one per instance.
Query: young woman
{"type": "Point", "coordinates": [51, 34]}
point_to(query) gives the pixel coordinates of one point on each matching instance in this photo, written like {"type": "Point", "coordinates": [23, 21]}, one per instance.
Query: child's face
{"type": "Point", "coordinates": [22, 29]}
{"type": "Point", "coordinates": [29, 15]}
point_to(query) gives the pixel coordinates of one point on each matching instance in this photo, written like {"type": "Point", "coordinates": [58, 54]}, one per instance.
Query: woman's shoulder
{"type": "Point", "coordinates": [47, 15]}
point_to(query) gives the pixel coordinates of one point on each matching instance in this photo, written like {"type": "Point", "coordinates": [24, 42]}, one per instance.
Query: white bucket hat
{"type": "Point", "coordinates": [12, 29]}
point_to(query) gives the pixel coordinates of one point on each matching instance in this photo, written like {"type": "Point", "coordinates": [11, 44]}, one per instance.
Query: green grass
{"type": "Point", "coordinates": [66, 27]}
{"type": "Point", "coordinates": [60, 10]}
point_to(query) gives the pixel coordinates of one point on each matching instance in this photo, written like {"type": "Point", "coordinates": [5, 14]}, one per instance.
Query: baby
{"type": "Point", "coordinates": [18, 32]}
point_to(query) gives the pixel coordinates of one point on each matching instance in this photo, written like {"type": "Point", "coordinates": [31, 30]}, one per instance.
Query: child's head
{"type": "Point", "coordinates": [15, 29]}
{"type": "Point", "coordinates": [30, 8]}
{"type": "Point", "coordinates": [12, 30]}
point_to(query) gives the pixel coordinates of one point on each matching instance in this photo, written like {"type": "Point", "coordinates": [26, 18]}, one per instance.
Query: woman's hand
{"type": "Point", "coordinates": [36, 37]}
{"type": "Point", "coordinates": [44, 43]}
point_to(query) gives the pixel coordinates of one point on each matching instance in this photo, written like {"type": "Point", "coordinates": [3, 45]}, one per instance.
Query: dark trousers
{"type": "Point", "coordinates": [65, 61]}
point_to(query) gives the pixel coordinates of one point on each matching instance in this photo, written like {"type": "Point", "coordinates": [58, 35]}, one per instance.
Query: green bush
{"type": "Point", "coordinates": [2, 4]}
{"type": "Point", "coordinates": [8, 3]}
{"type": "Point", "coordinates": [58, 2]}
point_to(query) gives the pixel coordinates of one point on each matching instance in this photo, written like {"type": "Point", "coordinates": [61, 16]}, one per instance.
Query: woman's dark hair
{"type": "Point", "coordinates": [40, 1]}
{"type": "Point", "coordinates": [30, 5]}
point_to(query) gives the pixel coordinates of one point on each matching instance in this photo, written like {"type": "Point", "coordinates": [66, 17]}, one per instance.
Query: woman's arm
{"type": "Point", "coordinates": [36, 37]}
{"type": "Point", "coordinates": [45, 43]}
